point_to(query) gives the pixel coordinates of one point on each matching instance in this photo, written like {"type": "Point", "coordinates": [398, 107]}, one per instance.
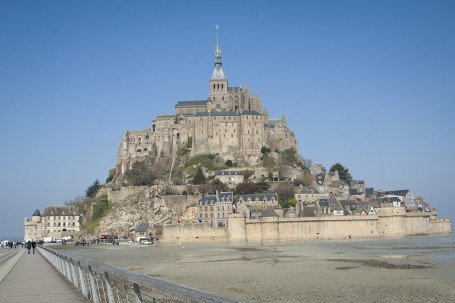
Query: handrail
{"type": "Point", "coordinates": [103, 283]}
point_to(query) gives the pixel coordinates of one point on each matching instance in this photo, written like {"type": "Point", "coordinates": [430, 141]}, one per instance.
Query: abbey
{"type": "Point", "coordinates": [230, 122]}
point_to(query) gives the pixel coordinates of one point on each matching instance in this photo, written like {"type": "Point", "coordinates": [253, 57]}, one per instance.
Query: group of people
{"type": "Point", "coordinates": [11, 244]}
{"type": "Point", "coordinates": [30, 245]}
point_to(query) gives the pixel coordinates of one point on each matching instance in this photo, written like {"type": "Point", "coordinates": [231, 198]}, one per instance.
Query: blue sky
{"type": "Point", "coordinates": [369, 84]}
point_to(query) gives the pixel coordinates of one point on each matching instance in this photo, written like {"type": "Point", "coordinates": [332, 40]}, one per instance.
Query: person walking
{"type": "Point", "coordinates": [33, 245]}
{"type": "Point", "coordinates": [29, 246]}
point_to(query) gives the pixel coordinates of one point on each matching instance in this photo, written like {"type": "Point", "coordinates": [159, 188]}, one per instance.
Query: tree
{"type": "Point", "coordinates": [262, 186]}
{"type": "Point", "coordinates": [246, 188]}
{"type": "Point", "coordinates": [111, 175]}
{"type": "Point", "coordinates": [268, 162]}
{"type": "Point", "coordinates": [285, 192]}
{"type": "Point", "coordinates": [92, 189]}
{"type": "Point", "coordinates": [140, 174]}
{"type": "Point", "coordinates": [290, 155]}
{"type": "Point", "coordinates": [343, 172]}
{"type": "Point", "coordinates": [199, 177]}
{"type": "Point", "coordinates": [265, 150]}
{"type": "Point", "coordinates": [247, 173]}
{"type": "Point", "coordinates": [218, 185]}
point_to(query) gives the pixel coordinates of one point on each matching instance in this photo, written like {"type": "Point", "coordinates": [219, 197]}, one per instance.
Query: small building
{"type": "Point", "coordinates": [231, 178]}
{"type": "Point", "coordinates": [142, 231]}
{"type": "Point", "coordinates": [307, 194]}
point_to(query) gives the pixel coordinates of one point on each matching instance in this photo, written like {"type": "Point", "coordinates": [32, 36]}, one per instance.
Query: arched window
{"type": "Point", "coordinates": [139, 151]}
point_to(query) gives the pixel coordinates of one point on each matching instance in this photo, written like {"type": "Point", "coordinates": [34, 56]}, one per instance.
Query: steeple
{"type": "Point", "coordinates": [218, 73]}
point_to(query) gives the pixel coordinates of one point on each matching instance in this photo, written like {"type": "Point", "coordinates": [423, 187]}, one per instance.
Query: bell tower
{"type": "Point", "coordinates": [218, 84]}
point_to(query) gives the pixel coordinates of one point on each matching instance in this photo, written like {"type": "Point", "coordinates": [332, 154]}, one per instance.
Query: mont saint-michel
{"type": "Point", "coordinates": [220, 169]}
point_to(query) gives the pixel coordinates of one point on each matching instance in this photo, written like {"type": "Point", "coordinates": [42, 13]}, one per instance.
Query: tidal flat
{"type": "Point", "coordinates": [411, 269]}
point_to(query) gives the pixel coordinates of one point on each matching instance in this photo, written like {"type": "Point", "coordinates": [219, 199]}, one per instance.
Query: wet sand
{"type": "Point", "coordinates": [415, 269]}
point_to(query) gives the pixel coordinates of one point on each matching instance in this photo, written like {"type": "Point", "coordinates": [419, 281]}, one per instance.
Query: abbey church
{"type": "Point", "coordinates": [230, 122]}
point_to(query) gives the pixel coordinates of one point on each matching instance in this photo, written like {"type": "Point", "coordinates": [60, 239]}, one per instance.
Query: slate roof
{"type": "Point", "coordinates": [323, 203]}
{"type": "Point", "coordinates": [320, 178]}
{"type": "Point", "coordinates": [205, 114]}
{"type": "Point", "coordinates": [309, 210]}
{"type": "Point", "coordinates": [37, 213]}
{"type": "Point", "coordinates": [142, 227]}
{"type": "Point", "coordinates": [191, 103]}
{"type": "Point", "coordinates": [369, 191]}
{"type": "Point", "coordinates": [308, 190]}
{"type": "Point", "coordinates": [260, 197]}
{"type": "Point", "coordinates": [223, 197]}
{"type": "Point", "coordinates": [227, 172]}
{"type": "Point", "coordinates": [207, 200]}
{"type": "Point", "coordinates": [347, 202]}
{"type": "Point", "coordinates": [69, 210]}
{"type": "Point", "coordinates": [251, 113]}
{"type": "Point", "coordinates": [234, 89]}
{"type": "Point", "coordinates": [334, 204]}
{"type": "Point", "coordinates": [269, 213]}
{"type": "Point", "coordinates": [353, 191]}
{"type": "Point", "coordinates": [402, 192]}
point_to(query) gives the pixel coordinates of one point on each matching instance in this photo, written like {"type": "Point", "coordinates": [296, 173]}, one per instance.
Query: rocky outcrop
{"type": "Point", "coordinates": [133, 205]}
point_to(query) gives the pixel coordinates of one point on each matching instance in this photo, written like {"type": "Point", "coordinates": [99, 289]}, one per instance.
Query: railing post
{"type": "Point", "coordinates": [75, 274]}
{"type": "Point", "coordinates": [93, 288]}
{"type": "Point", "coordinates": [63, 268]}
{"type": "Point", "coordinates": [68, 270]}
{"type": "Point", "coordinates": [110, 293]}
{"type": "Point", "coordinates": [82, 279]}
{"type": "Point", "coordinates": [137, 293]}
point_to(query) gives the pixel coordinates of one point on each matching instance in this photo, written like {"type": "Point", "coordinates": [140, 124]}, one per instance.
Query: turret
{"type": "Point", "coordinates": [36, 217]}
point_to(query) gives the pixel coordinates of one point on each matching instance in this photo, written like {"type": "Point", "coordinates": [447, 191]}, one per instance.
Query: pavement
{"type": "Point", "coordinates": [33, 279]}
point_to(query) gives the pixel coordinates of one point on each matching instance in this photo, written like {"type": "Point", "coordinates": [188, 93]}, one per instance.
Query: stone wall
{"type": "Point", "coordinates": [192, 233]}
{"type": "Point", "coordinates": [391, 222]}
{"type": "Point", "coordinates": [440, 226]}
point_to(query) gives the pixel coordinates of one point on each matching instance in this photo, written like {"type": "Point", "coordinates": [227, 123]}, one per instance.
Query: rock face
{"type": "Point", "coordinates": [134, 205]}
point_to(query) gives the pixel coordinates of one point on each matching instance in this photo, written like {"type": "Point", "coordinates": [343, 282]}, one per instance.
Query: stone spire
{"type": "Point", "coordinates": [218, 73]}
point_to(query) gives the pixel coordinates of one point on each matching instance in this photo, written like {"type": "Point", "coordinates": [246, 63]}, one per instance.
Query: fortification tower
{"type": "Point", "coordinates": [218, 84]}
{"type": "Point", "coordinates": [36, 217]}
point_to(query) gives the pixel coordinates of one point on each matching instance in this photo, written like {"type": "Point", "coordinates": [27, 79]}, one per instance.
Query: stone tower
{"type": "Point", "coordinates": [218, 83]}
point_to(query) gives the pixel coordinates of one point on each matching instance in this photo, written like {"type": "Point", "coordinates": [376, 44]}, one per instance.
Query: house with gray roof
{"type": "Point", "coordinates": [214, 209]}
{"type": "Point", "coordinates": [142, 231]}
{"type": "Point", "coordinates": [231, 178]}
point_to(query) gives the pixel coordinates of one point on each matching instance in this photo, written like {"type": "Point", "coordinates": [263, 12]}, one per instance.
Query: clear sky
{"type": "Point", "coordinates": [369, 84]}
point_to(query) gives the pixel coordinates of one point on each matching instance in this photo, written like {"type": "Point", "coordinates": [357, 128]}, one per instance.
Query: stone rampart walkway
{"type": "Point", "coordinates": [34, 279]}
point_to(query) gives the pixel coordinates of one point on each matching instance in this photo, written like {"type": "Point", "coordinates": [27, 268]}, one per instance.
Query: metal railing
{"type": "Point", "coordinates": [102, 283]}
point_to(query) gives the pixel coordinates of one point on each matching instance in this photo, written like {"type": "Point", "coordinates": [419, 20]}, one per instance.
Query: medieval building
{"type": "Point", "coordinates": [56, 222]}
{"type": "Point", "coordinates": [230, 122]}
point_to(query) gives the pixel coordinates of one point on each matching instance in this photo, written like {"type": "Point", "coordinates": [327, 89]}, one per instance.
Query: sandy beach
{"type": "Point", "coordinates": [413, 269]}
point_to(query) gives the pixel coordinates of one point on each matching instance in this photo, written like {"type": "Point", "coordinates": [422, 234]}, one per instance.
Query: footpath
{"type": "Point", "coordinates": [34, 279]}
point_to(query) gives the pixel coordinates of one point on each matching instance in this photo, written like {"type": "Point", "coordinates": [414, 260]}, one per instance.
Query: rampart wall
{"type": "Point", "coordinates": [388, 223]}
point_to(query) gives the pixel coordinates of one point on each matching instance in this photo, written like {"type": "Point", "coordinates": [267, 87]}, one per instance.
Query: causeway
{"type": "Point", "coordinates": [34, 279]}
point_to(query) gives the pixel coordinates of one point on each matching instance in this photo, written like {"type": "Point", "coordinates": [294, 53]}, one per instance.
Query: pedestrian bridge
{"type": "Point", "coordinates": [51, 275]}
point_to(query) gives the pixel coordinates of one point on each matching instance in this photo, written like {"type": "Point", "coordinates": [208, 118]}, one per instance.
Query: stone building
{"type": "Point", "coordinates": [231, 178]}
{"type": "Point", "coordinates": [57, 221]}
{"type": "Point", "coordinates": [214, 209]}
{"type": "Point", "coordinates": [231, 122]}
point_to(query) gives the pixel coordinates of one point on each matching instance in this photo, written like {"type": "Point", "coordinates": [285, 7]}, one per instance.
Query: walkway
{"type": "Point", "coordinates": [34, 279]}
